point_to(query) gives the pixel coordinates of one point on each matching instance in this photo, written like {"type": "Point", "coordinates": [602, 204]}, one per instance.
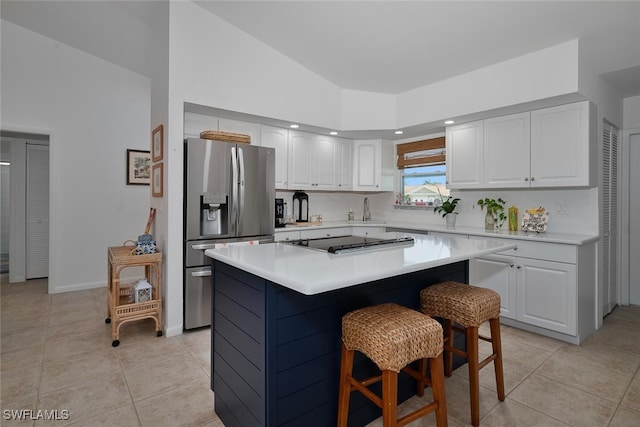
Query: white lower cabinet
{"type": "Point", "coordinates": [546, 294]}
{"type": "Point", "coordinates": [543, 287]}
{"type": "Point", "coordinates": [497, 272]}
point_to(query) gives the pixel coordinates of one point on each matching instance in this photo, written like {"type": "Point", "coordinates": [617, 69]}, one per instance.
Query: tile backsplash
{"type": "Point", "coordinates": [573, 211]}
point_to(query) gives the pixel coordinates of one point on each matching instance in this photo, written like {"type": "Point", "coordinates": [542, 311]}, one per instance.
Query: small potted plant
{"type": "Point", "coordinates": [495, 215]}
{"type": "Point", "coordinates": [447, 209]}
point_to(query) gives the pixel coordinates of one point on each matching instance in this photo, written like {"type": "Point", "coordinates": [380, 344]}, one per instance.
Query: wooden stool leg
{"type": "Point", "coordinates": [448, 355]}
{"type": "Point", "coordinates": [389, 398]}
{"type": "Point", "coordinates": [422, 369]}
{"type": "Point", "coordinates": [436, 367]}
{"type": "Point", "coordinates": [474, 374]}
{"type": "Point", "coordinates": [346, 370]}
{"type": "Point", "coordinates": [496, 343]}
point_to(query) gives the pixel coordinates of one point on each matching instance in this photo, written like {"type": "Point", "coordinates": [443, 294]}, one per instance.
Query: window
{"type": "Point", "coordinates": [423, 171]}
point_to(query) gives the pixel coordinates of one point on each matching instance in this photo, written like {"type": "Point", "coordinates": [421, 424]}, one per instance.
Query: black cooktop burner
{"type": "Point", "coordinates": [340, 244]}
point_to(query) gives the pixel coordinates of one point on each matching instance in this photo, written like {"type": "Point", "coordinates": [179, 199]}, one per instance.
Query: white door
{"type": "Point", "coordinates": [37, 224]}
{"type": "Point", "coordinates": [634, 225]}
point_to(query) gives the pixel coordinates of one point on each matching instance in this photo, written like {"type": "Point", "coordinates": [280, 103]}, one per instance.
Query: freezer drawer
{"type": "Point", "coordinates": [194, 249]}
{"type": "Point", "coordinates": [197, 297]}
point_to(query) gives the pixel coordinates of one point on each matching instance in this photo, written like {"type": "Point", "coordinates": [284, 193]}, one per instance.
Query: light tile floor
{"type": "Point", "coordinates": [56, 354]}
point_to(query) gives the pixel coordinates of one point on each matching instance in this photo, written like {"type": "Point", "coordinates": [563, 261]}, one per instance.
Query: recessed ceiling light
{"type": "Point", "coordinates": [294, 126]}
{"type": "Point", "coordinates": [333, 133]}
{"type": "Point", "coordinates": [449, 122]}
{"type": "Point", "coordinates": [398, 132]}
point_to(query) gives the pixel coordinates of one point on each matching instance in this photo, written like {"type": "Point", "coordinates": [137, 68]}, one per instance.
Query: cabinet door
{"type": "Point", "coordinates": [246, 128]}
{"type": "Point", "coordinates": [344, 164]}
{"type": "Point", "coordinates": [497, 272]}
{"type": "Point", "coordinates": [561, 146]}
{"type": "Point", "coordinates": [299, 160]}
{"type": "Point", "coordinates": [465, 155]}
{"type": "Point", "coordinates": [546, 294]}
{"type": "Point", "coordinates": [507, 142]}
{"type": "Point", "coordinates": [323, 163]}
{"type": "Point", "coordinates": [367, 165]}
{"type": "Point", "coordinates": [277, 138]}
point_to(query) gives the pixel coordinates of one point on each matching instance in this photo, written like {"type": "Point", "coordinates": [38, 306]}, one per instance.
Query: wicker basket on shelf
{"type": "Point", "coordinates": [226, 136]}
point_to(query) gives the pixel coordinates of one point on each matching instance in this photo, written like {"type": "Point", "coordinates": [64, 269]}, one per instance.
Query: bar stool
{"type": "Point", "coordinates": [392, 336]}
{"type": "Point", "coordinates": [469, 306]}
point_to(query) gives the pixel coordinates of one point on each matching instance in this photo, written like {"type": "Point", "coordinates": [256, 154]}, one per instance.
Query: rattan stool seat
{"type": "Point", "coordinates": [464, 304]}
{"type": "Point", "coordinates": [469, 306]}
{"type": "Point", "coordinates": [392, 336]}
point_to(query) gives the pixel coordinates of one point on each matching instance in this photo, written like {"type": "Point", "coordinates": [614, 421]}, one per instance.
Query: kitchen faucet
{"type": "Point", "coordinates": [366, 212]}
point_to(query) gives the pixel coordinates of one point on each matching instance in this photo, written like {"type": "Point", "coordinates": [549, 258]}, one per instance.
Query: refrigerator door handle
{"type": "Point", "coordinates": [234, 189]}
{"type": "Point", "coordinates": [202, 273]}
{"type": "Point", "coordinates": [204, 246]}
{"type": "Point", "coordinates": [241, 195]}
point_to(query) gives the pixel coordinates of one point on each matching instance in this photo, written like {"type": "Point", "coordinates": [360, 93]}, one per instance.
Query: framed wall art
{"type": "Point", "coordinates": [138, 167]}
{"type": "Point", "coordinates": [157, 144]}
{"type": "Point", "coordinates": [157, 176]}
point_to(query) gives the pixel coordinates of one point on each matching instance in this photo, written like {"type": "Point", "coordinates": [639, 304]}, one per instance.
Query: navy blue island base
{"type": "Point", "coordinates": [275, 356]}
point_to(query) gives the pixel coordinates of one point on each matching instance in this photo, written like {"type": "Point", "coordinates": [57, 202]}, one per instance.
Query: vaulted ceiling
{"type": "Point", "coordinates": [378, 46]}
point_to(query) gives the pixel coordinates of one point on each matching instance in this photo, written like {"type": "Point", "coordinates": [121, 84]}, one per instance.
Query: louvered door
{"type": "Point", "coordinates": [609, 215]}
{"type": "Point", "coordinates": [37, 211]}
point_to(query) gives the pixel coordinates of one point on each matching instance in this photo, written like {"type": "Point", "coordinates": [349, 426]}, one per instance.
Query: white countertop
{"type": "Point", "coordinates": [311, 271]}
{"type": "Point", "coordinates": [565, 238]}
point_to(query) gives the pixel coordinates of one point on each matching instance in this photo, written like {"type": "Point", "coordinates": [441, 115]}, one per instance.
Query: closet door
{"type": "Point", "coordinates": [609, 216]}
{"type": "Point", "coordinates": [37, 211]}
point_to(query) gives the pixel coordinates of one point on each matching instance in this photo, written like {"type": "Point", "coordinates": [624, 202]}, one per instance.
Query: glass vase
{"type": "Point", "coordinates": [489, 220]}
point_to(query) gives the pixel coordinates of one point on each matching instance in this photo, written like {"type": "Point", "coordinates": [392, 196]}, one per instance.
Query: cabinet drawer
{"type": "Point", "coordinates": [367, 231]}
{"type": "Point", "coordinates": [325, 232]}
{"type": "Point", "coordinates": [286, 235]}
{"type": "Point", "coordinates": [558, 252]}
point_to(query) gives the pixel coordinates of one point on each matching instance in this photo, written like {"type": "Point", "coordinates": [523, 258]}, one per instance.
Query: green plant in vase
{"type": "Point", "coordinates": [495, 215]}
{"type": "Point", "coordinates": [447, 209]}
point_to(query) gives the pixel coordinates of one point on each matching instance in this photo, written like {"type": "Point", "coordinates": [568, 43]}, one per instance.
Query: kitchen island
{"type": "Point", "coordinates": [276, 322]}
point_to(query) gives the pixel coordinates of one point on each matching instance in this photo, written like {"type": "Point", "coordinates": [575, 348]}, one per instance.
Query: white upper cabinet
{"type": "Point", "coordinates": [551, 147]}
{"type": "Point", "coordinates": [344, 164]}
{"type": "Point", "coordinates": [278, 138]}
{"type": "Point", "coordinates": [367, 165]}
{"type": "Point", "coordinates": [563, 144]}
{"type": "Point", "coordinates": [464, 145]}
{"type": "Point", "coordinates": [507, 142]}
{"type": "Point", "coordinates": [312, 162]}
{"type": "Point", "coordinates": [246, 128]}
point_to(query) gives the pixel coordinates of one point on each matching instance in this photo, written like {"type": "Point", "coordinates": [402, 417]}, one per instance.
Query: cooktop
{"type": "Point", "coordinates": [341, 244]}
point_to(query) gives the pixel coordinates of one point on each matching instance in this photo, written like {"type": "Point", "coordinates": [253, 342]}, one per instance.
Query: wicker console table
{"type": "Point", "coordinates": [120, 306]}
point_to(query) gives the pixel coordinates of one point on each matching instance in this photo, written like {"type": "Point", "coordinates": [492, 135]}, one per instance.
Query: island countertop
{"type": "Point", "coordinates": [311, 271]}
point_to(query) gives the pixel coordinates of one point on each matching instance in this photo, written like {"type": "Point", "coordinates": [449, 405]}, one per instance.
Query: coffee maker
{"type": "Point", "coordinates": [280, 213]}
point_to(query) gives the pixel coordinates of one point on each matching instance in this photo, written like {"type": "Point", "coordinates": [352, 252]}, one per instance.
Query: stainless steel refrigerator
{"type": "Point", "coordinates": [229, 198]}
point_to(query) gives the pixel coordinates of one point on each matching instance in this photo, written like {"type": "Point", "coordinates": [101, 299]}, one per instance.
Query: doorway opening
{"type": "Point", "coordinates": [24, 236]}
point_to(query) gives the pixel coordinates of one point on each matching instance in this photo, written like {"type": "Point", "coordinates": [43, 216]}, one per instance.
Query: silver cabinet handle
{"type": "Point", "coordinates": [519, 266]}
{"type": "Point", "coordinates": [511, 265]}
{"type": "Point", "coordinates": [526, 179]}
{"type": "Point", "coordinates": [533, 178]}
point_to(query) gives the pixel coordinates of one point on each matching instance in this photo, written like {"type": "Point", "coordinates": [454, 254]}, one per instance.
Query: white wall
{"type": "Point", "coordinates": [543, 74]}
{"type": "Point", "coordinates": [631, 112]}
{"type": "Point", "coordinates": [212, 63]}
{"type": "Point", "coordinates": [93, 111]}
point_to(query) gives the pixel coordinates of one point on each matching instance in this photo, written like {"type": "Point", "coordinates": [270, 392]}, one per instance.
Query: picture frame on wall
{"type": "Point", "coordinates": [157, 175]}
{"type": "Point", "coordinates": [138, 167]}
{"type": "Point", "coordinates": [157, 144]}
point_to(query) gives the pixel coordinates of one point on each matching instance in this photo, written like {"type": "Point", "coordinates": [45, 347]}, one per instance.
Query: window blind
{"type": "Point", "coordinates": [421, 153]}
